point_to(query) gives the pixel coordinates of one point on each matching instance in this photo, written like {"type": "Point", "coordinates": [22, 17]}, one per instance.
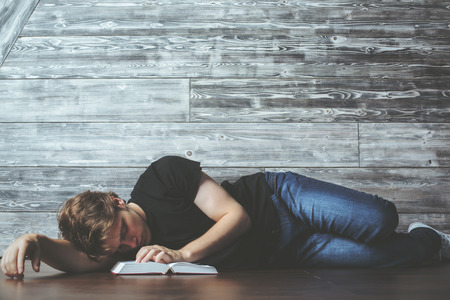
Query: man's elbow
{"type": "Point", "coordinates": [245, 221]}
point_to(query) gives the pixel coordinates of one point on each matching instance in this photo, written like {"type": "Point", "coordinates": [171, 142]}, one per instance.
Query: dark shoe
{"type": "Point", "coordinates": [445, 238]}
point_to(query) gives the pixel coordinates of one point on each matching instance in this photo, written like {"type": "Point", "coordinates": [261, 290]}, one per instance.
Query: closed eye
{"type": "Point", "coordinates": [123, 235]}
{"type": "Point", "coordinates": [123, 230]}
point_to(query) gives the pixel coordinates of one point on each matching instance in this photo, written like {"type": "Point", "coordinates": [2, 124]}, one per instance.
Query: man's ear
{"type": "Point", "coordinates": [119, 202]}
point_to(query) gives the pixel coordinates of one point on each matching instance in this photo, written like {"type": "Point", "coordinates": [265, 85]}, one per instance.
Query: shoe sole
{"type": "Point", "coordinates": [415, 225]}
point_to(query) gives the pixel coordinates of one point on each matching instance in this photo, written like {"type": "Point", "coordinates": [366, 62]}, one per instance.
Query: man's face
{"type": "Point", "coordinates": [129, 231]}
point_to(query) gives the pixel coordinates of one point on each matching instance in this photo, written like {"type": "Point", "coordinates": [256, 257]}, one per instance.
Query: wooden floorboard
{"type": "Point", "coordinates": [417, 283]}
{"type": "Point", "coordinates": [408, 283]}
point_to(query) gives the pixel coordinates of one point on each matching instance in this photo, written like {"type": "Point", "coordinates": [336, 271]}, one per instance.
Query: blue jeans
{"type": "Point", "coordinates": [327, 225]}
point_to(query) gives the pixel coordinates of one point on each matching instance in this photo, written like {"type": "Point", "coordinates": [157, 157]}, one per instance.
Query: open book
{"type": "Point", "coordinates": [131, 267]}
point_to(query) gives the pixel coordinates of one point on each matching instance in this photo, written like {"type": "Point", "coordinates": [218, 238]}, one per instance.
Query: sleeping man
{"type": "Point", "coordinates": [266, 220]}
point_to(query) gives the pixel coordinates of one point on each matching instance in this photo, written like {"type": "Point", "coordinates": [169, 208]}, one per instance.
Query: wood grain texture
{"type": "Point", "coordinates": [43, 189]}
{"type": "Point", "coordinates": [112, 100]}
{"type": "Point", "coordinates": [404, 145]}
{"type": "Point", "coordinates": [306, 283]}
{"type": "Point", "coordinates": [223, 56]}
{"type": "Point", "coordinates": [71, 17]}
{"type": "Point", "coordinates": [135, 144]}
{"type": "Point", "coordinates": [233, 39]}
{"type": "Point", "coordinates": [413, 190]}
{"type": "Point", "coordinates": [320, 100]}
{"type": "Point", "coordinates": [439, 221]}
{"type": "Point", "coordinates": [13, 16]}
{"type": "Point", "coordinates": [13, 225]}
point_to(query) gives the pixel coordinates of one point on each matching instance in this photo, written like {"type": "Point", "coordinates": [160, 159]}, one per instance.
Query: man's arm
{"type": "Point", "coordinates": [60, 254]}
{"type": "Point", "coordinates": [231, 222]}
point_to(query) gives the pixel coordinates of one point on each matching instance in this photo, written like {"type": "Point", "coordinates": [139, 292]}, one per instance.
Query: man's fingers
{"type": "Point", "coordinates": [156, 253]}
{"type": "Point", "coordinates": [10, 264]}
{"type": "Point", "coordinates": [149, 256]}
{"type": "Point", "coordinates": [159, 257]}
{"type": "Point", "coordinates": [20, 261]}
{"type": "Point", "coordinates": [144, 255]}
{"type": "Point", "coordinates": [36, 260]}
{"type": "Point", "coordinates": [162, 257]}
{"type": "Point", "coordinates": [140, 255]}
{"type": "Point", "coordinates": [4, 267]}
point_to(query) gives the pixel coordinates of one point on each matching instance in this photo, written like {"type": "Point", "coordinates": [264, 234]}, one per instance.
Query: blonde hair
{"type": "Point", "coordinates": [86, 221]}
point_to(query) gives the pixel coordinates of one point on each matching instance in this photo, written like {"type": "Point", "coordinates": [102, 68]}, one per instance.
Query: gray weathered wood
{"type": "Point", "coordinates": [13, 225]}
{"type": "Point", "coordinates": [44, 189]}
{"type": "Point", "coordinates": [41, 189]}
{"type": "Point", "coordinates": [405, 145]}
{"type": "Point", "coordinates": [303, 44]}
{"type": "Point", "coordinates": [320, 100]}
{"type": "Point", "coordinates": [387, 18]}
{"type": "Point", "coordinates": [110, 100]}
{"type": "Point", "coordinates": [416, 190]}
{"type": "Point", "coordinates": [135, 144]}
{"type": "Point", "coordinates": [413, 190]}
{"type": "Point", "coordinates": [223, 56]}
{"type": "Point", "coordinates": [438, 221]}
{"type": "Point", "coordinates": [13, 17]}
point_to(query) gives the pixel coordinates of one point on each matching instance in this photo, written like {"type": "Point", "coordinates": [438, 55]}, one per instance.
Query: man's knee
{"type": "Point", "coordinates": [387, 220]}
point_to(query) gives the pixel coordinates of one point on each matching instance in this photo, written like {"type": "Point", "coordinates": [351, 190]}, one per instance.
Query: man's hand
{"type": "Point", "coordinates": [13, 260]}
{"type": "Point", "coordinates": [159, 254]}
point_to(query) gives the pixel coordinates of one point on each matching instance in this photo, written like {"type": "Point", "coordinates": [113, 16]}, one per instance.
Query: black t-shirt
{"type": "Point", "coordinates": [166, 192]}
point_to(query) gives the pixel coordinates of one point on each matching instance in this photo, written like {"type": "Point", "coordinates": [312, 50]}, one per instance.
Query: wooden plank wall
{"type": "Point", "coordinates": [353, 92]}
{"type": "Point", "coordinates": [13, 16]}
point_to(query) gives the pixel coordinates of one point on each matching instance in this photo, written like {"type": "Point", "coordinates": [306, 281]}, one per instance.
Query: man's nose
{"type": "Point", "coordinates": [131, 242]}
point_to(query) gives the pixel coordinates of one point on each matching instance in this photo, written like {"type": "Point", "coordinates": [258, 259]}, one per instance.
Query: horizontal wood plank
{"type": "Point", "coordinates": [110, 100]}
{"type": "Point", "coordinates": [405, 145]}
{"type": "Point", "coordinates": [413, 190]}
{"type": "Point", "coordinates": [14, 15]}
{"type": "Point", "coordinates": [135, 144]}
{"type": "Point", "coordinates": [319, 100]}
{"type": "Point", "coordinates": [136, 17]}
{"type": "Point", "coordinates": [13, 225]}
{"type": "Point", "coordinates": [224, 56]}
{"type": "Point", "coordinates": [44, 189]}
{"type": "Point", "coordinates": [438, 221]}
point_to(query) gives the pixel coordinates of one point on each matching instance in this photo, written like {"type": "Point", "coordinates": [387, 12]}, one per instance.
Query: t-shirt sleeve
{"type": "Point", "coordinates": [170, 177]}
{"type": "Point", "coordinates": [166, 192]}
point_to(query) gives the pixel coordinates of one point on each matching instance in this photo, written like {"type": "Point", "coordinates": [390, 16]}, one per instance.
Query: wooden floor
{"type": "Point", "coordinates": [429, 282]}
